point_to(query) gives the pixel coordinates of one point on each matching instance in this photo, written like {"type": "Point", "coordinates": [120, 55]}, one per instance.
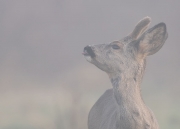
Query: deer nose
{"type": "Point", "coordinates": [89, 51]}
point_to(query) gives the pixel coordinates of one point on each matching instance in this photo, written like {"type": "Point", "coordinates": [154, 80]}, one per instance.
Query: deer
{"type": "Point", "coordinates": [124, 61]}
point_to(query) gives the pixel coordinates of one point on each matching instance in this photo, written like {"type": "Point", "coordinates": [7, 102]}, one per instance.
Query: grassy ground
{"type": "Point", "coordinates": [62, 109]}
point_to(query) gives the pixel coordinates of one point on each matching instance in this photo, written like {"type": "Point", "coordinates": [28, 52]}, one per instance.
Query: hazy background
{"type": "Point", "coordinates": [45, 82]}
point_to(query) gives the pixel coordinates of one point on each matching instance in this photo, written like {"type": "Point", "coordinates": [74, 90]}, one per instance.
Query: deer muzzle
{"type": "Point", "coordinates": [88, 51]}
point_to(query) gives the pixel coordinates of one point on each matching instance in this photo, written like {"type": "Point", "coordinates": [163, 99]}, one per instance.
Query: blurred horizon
{"type": "Point", "coordinates": [45, 82]}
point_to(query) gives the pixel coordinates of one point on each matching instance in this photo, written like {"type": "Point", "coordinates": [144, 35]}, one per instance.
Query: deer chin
{"type": "Point", "coordinates": [88, 58]}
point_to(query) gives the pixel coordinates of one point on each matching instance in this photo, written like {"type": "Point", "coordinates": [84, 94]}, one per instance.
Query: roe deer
{"type": "Point", "coordinates": [124, 61]}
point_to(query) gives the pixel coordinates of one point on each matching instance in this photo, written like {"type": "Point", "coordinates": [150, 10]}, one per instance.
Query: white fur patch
{"type": "Point", "coordinates": [88, 58]}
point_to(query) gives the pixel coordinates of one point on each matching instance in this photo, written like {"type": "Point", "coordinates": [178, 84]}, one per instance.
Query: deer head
{"type": "Point", "coordinates": [130, 52]}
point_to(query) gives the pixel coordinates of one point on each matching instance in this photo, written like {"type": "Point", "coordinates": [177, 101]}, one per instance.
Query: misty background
{"type": "Point", "coordinates": [45, 82]}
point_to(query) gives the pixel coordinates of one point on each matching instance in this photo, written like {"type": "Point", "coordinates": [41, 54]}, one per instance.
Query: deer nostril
{"type": "Point", "coordinates": [89, 50]}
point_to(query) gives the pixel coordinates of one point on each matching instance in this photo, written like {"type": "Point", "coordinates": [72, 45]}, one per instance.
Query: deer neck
{"type": "Point", "coordinates": [126, 86]}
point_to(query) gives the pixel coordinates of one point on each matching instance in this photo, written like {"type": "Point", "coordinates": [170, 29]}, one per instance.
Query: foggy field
{"type": "Point", "coordinates": [62, 109]}
{"type": "Point", "coordinates": [45, 82]}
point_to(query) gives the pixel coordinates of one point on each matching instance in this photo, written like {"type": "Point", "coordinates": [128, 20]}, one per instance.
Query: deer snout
{"type": "Point", "coordinates": [88, 51]}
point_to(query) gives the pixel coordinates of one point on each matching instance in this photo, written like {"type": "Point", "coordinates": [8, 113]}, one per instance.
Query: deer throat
{"type": "Point", "coordinates": [126, 91]}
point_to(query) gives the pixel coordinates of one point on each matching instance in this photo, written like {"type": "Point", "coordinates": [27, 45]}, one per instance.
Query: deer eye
{"type": "Point", "coordinates": [115, 46]}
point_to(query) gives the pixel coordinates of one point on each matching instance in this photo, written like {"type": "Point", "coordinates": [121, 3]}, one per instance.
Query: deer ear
{"type": "Point", "coordinates": [152, 40]}
{"type": "Point", "coordinates": [140, 28]}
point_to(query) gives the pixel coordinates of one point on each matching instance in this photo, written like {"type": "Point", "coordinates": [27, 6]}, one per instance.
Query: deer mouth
{"type": "Point", "coordinates": [89, 52]}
